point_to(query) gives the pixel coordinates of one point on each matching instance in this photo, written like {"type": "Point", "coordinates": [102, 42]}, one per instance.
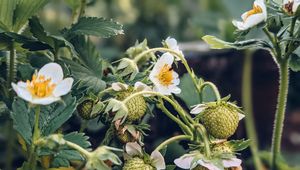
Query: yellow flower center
{"type": "Point", "coordinates": [165, 75]}
{"type": "Point", "coordinates": [39, 86]}
{"type": "Point", "coordinates": [256, 10]}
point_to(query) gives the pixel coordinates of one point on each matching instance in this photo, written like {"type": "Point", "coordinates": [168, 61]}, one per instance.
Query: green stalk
{"type": "Point", "coordinates": [185, 128]}
{"type": "Point", "coordinates": [35, 137]}
{"type": "Point", "coordinates": [213, 87]}
{"type": "Point", "coordinates": [171, 140]}
{"type": "Point", "coordinates": [247, 104]}
{"type": "Point", "coordinates": [280, 112]}
{"type": "Point", "coordinates": [201, 129]}
{"type": "Point", "coordinates": [177, 107]}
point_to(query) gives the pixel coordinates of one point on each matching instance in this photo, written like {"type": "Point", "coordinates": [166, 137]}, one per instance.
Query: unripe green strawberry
{"type": "Point", "coordinates": [221, 148]}
{"type": "Point", "coordinates": [125, 137]}
{"type": "Point", "coordinates": [89, 109]}
{"type": "Point", "coordinates": [137, 163]}
{"type": "Point", "coordinates": [85, 108]}
{"type": "Point", "coordinates": [199, 167]}
{"type": "Point", "coordinates": [220, 119]}
{"type": "Point", "coordinates": [137, 106]}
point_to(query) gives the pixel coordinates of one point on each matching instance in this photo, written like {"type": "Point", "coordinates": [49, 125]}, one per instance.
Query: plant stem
{"type": "Point", "coordinates": [82, 9]}
{"type": "Point", "coordinates": [35, 137]}
{"type": "Point", "coordinates": [82, 151]}
{"type": "Point", "coordinates": [214, 88]}
{"type": "Point", "coordinates": [180, 56]}
{"type": "Point", "coordinates": [280, 112]}
{"type": "Point", "coordinates": [171, 140]}
{"type": "Point", "coordinates": [201, 129]}
{"type": "Point", "coordinates": [247, 104]}
{"type": "Point", "coordinates": [177, 107]}
{"type": "Point", "coordinates": [185, 128]}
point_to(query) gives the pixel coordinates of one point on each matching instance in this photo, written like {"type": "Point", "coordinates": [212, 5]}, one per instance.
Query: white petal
{"type": "Point", "coordinates": [22, 84]}
{"type": "Point", "coordinates": [198, 109]}
{"type": "Point", "coordinates": [63, 87]}
{"type": "Point", "coordinates": [166, 58]}
{"type": "Point", "coordinates": [53, 71]}
{"type": "Point", "coordinates": [163, 90]}
{"type": "Point", "coordinates": [239, 25]}
{"type": "Point", "coordinates": [208, 165]}
{"type": "Point", "coordinates": [45, 100]}
{"type": "Point", "coordinates": [119, 86]}
{"type": "Point", "coordinates": [184, 162]}
{"type": "Point", "coordinates": [158, 160]}
{"type": "Point", "coordinates": [139, 86]}
{"type": "Point", "coordinates": [233, 162]}
{"type": "Point", "coordinates": [253, 20]}
{"type": "Point", "coordinates": [133, 149]}
{"type": "Point", "coordinates": [241, 116]}
{"type": "Point", "coordinates": [295, 5]}
{"type": "Point", "coordinates": [22, 91]}
{"type": "Point", "coordinates": [176, 90]}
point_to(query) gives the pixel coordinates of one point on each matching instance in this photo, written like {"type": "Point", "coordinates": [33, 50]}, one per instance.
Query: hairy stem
{"type": "Point", "coordinates": [201, 129]}
{"type": "Point", "coordinates": [247, 104]}
{"type": "Point", "coordinates": [280, 112]}
{"type": "Point", "coordinates": [171, 140]}
{"type": "Point", "coordinates": [185, 128]}
{"type": "Point", "coordinates": [82, 8]}
{"type": "Point", "coordinates": [213, 87]}
{"type": "Point", "coordinates": [35, 137]}
{"type": "Point", "coordinates": [177, 107]}
{"type": "Point", "coordinates": [82, 151]}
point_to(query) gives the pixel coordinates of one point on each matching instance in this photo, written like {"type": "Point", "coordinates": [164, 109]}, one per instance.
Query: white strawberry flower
{"type": "Point", "coordinates": [190, 161]}
{"type": "Point", "coordinates": [252, 17]}
{"type": "Point", "coordinates": [133, 149]}
{"type": "Point", "coordinates": [291, 6]}
{"type": "Point", "coordinates": [47, 85]}
{"type": "Point", "coordinates": [164, 78]}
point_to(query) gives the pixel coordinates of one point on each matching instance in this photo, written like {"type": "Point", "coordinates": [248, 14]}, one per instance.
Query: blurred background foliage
{"type": "Point", "coordinates": [187, 21]}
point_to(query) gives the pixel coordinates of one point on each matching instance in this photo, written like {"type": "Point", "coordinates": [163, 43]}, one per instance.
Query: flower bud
{"type": "Point", "coordinates": [127, 67]}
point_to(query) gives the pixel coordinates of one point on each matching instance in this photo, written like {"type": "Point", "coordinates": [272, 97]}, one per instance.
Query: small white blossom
{"type": "Point", "coordinates": [163, 77]}
{"type": "Point", "coordinates": [47, 85]}
{"type": "Point", "coordinates": [252, 17]}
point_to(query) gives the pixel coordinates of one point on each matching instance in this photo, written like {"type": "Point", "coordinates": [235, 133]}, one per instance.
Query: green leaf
{"type": "Point", "coordinates": [56, 114]}
{"type": "Point", "coordinates": [170, 167]}
{"type": "Point", "coordinates": [190, 95]}
{"type": "Point", "coordinates": [7, 8]}
{"type": "Point", "coordinates": [23, 119]}
{"type": "Point", "coordinates": [89, 72]}
{"type": "Point", "coordinates": [24, 10]}
{"type": "Point", "coordinates": [295, 62]}
{"type": "Point", "coordinates": [78, 138]}
{"type": "Point", "coordinates": [216, 43]}
{"type": "Point", "coordinates": [100, 27]}
{"type": "Point", "coordinates": [26, 42]}
{"type": "Point", "coordinates": [239, 145]}
{"type": "Point", "coordinates": [55, 41]}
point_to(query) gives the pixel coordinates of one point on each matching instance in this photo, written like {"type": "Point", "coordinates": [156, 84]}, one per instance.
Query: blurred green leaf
{"type": "Point", "coordinates": [216, 43]}
{"type": "Point", "coordinates": [56, 114]}
{"type": "Point", "coordinates": [295, 62]}
{"type": "Point", "coordinates": [24, 10]}
{"type": "Point", "coordinates": [7, 8]}
{"type": "Point", "coordinates": [189, 93]}
{"type": "Point", "coordinates": [100, 27]}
